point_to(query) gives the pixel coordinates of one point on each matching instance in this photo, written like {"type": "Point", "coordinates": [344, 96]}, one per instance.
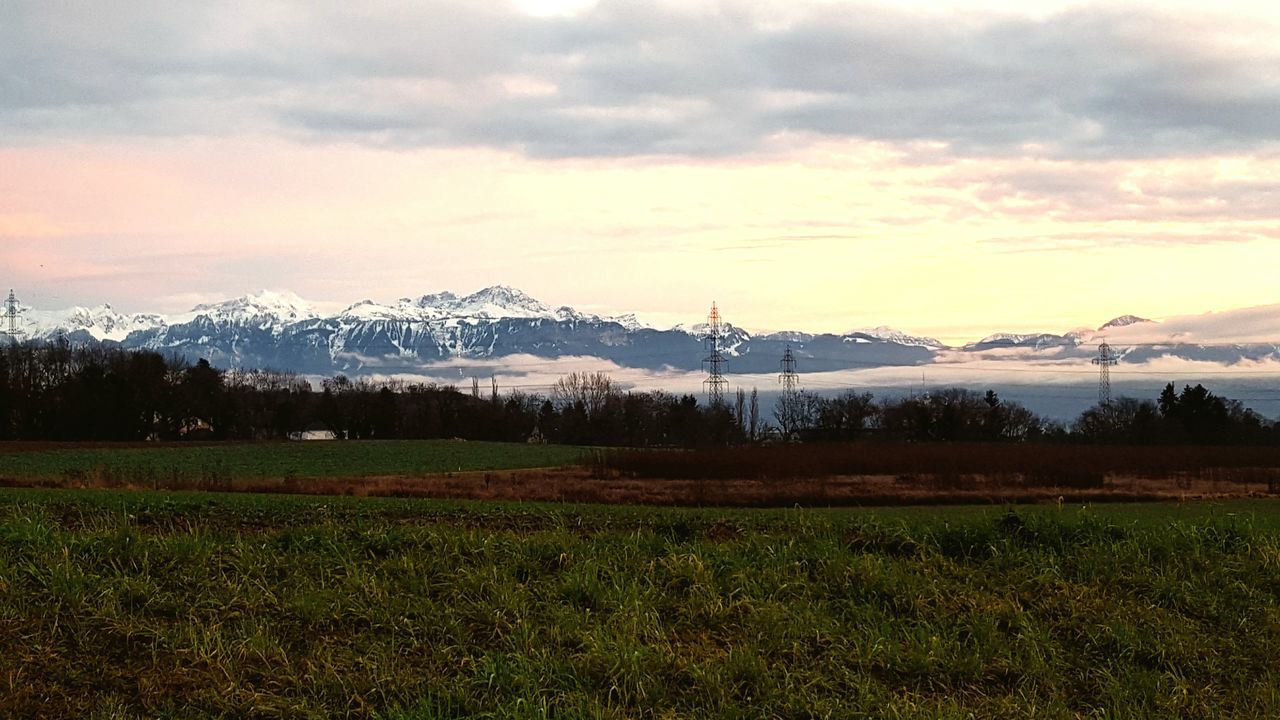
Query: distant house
{"type": "Point", "coordinates": [194, 428]}
{"type": "Point", "coordinates": [314, 431]}
{"type": "Point", "coordinates": [535, 437]}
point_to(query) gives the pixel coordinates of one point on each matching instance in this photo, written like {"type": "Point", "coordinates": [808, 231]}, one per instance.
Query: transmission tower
{"type": "Point", "coordinates": [789, 379]}
{"type": "Point", "coordinates": [714, 362]}
{"type": "Point", "coordinates": [11, 310]}
{"type": "Point", "coordinates": [1106, 358]}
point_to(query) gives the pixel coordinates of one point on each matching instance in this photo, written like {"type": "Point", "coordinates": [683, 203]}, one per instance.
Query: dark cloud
{"type": "Point", "coordinates": [626, 79]}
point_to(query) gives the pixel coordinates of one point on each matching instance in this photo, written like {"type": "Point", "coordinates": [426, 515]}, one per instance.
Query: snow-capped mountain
{"type": "Point", "coordinates": [1227, 338]}
{"type": "Point", "coordinates": [283, 331]}
{"type": "Point", "coordinates": [1123, 321]}
{"type": "Point", "coordinates": [99, 323]}
{"type": "Point", "coordinates": [888, 334]}
{"type": "Point", "coordinates": [1035, 341]}
{"type": "Point", "coordinates": [266, 309]}
{"type": "Point", "coordinates": [495, 303]}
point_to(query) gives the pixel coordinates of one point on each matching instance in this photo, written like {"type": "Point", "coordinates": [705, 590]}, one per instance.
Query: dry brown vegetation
{"type": "Point", "coordinates": [1083, 466]}
{"type": "Point", "coordinates": [780, 475]}
{"type": "Point", "coordinates": [582, 485]}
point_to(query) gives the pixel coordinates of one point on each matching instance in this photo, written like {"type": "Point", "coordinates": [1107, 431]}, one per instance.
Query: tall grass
{"type": "Point", "coordinates": [150, 605]}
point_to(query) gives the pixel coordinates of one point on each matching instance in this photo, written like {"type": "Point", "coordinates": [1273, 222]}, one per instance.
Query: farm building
{"type": "Point", "coordinates": [314, 431]}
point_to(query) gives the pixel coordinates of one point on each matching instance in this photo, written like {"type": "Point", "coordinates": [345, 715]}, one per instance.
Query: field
{"type": "Point", "coordinates": [773, 476]}
{"type": "Point", "coordinates": [189, 605]}
{"type": "Point", "coordinates": [215, 465]}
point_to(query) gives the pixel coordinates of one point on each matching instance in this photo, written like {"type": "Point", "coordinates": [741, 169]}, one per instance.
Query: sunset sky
{"type": "Point", "coordinates": [950, 169]}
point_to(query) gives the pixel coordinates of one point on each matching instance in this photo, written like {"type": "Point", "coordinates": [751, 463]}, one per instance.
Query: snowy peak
{"type": "Point", "coordinates": [627, 321]}
{"type": "Point", "coordinates": [266, 309]}
{"type": "Point", "coordinates": [369, 310]}
{"type": "Point", "coordinates": [501, 301]}
{"type": "Point", "coordinates": [1034, 340]}
{"type": "Point", "coordinates": [1123, 321]}
{"type": "Point", "coordinates": [495, 303]}
{"type": "Point", "coordinates": [702, 329]}
{"type": "Point", "coordinates": [434, 300]}
{"type": "Point", "coordinates": [101, 322]}
{"type": "Point", "coordinates": [888, 334]}
{"type": "Point", "coordinates": [103, 318]}
{"type": "Point", "coordinates": [491, 303]}
{"type": "Point", "coordinates": [502, 295]}
{"type": "Point", "coordinates": [788, 336]}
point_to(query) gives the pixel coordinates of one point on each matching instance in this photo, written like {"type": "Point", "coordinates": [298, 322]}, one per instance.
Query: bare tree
{"type": "Point", "coordinates": [796, 413]}
{"type": "Point", "coordinates": [753, 415]}
{"type": "Point", "coordinates": [592, 390]}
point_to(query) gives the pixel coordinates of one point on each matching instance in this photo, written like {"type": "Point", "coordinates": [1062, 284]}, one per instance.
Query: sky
{"type": "Point", "coordinates": [947, 168]}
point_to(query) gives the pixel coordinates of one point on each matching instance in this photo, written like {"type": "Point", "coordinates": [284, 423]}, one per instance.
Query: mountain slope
{"type": "Point", "coordinates": [281, 330]}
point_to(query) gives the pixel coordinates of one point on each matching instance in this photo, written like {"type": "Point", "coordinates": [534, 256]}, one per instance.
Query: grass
{"type": "Point", "coordinates": [771, 476]}
{"type": "Point", "coordinates": [204, 462]}
{"type": "Point", "coordinates": [191, 605]}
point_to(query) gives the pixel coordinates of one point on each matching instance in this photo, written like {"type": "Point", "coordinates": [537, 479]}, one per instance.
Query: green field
{"type": "Point", "coordinates": [260, 460]}
{"type": "Point", "coordinates": [138, 604]}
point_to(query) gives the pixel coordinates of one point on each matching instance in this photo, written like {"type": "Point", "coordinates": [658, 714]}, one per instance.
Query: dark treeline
{"type": "Point", "coordinates": [54, 391]}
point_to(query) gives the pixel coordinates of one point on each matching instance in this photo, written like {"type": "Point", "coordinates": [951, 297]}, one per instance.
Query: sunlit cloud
{"type": "Point", "coordinates": [951, 169]}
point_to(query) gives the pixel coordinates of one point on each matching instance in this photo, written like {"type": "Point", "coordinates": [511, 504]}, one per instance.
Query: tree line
{"type": "Point", "coordinates": [56, 391]}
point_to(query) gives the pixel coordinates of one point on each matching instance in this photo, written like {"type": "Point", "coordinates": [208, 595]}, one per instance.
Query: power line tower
{"type": "Point", "coordinates": [789, 379]}
{"type": "Point", "coordinates": [1106, 358]}
{"type": "Point", "coordinates": [11, 309]}
{"type": "Point", "coordinates": [714, 362]}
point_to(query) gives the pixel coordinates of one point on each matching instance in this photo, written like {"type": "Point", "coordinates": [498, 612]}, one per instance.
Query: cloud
{"type": "Point", "coordinates": [1195, 190]}
{"type": "Point", "coordinates": [1255, 325]}
{"type": "Point", "coordinates": [1057, 389]}
{"type": "Point", "coordinates": [624, 79]}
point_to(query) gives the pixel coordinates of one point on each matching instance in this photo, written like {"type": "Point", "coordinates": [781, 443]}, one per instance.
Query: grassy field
{"type": "Point", "coordinates": [211, 462]}
{"type": "Point", "coordinates": [141, 604]}
{"type": "Point", "coordinates": [774, 476]}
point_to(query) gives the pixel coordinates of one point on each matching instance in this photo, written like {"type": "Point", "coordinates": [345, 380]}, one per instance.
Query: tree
{"type": "Point", "coordinates": [593, 391]}
{"type": "Point", "coordinates": [753, 416]}
{"type": "Point", "coordinates": [795, 413]}
{"type": "Point", "coordinates": [845, 416]}
{"type": "Point", "coordinates": [1201, 415]}
{"type": "Point", "coordinates": [1123, 420]}
{"type": "Point", "coordinates": [202, 392]}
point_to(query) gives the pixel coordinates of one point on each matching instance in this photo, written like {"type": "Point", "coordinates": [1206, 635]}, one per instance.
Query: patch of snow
{"type": "Point", "coordinates": [628, 321]}
{"type": "Point", "coordinates": [102, 322]}
{"type": "Point", "coordinates": [267, 309]}
{"type": "Point", "coordinates": [888, 334]}
{"type": "Point", "coordinates": [1123, 321]}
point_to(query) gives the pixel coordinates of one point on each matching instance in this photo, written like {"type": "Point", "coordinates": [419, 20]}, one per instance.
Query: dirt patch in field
{"type": "Point", "coordinates": [582, 485]}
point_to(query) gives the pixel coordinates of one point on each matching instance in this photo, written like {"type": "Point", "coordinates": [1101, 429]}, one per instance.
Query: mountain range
{"type": "Point", "coordinates": [282, 331]}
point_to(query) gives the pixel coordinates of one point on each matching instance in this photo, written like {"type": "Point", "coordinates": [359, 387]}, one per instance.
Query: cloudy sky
{"type": "Point", "coordinates": [948, 168]}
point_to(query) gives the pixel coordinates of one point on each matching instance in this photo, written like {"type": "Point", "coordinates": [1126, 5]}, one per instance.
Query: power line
{"type": "Point", "coordinates": [789, 379]}
{"type": "Point", "coordinates": [714, 363]}
{"type": "Point", "coordinates": [1104, 361]}
{"type": "Point", "coordinates": [11, 310]}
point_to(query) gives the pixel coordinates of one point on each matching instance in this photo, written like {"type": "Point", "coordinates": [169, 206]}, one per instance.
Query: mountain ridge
{"type": "Point", "coordinates": [281, 330]}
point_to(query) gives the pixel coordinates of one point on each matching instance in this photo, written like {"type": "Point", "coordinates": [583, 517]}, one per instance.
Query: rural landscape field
{"type": "Point", "coordinates": [640, 360]}
{"type": "Point", "coordinates": [133, 602]}
{"type": "Point", "coordinates": [120, 605]}
{"type": "Point", "coordinates": [866, 473]}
